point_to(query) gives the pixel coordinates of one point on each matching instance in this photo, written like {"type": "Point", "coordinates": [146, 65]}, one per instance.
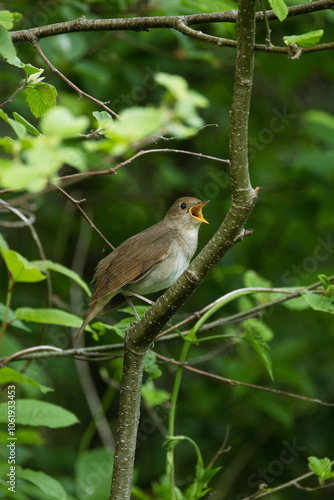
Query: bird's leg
{"type": "Point", "coordinates": [141, 297]}
{"type": "Point", "coordinates": [129, 301]}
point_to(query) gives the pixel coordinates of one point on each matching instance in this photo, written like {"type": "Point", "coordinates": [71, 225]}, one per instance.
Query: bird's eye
{"type": "Point", "coordinates": [183, 206]}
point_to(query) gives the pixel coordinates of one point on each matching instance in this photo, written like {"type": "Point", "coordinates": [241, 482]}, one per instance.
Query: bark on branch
{"type": "Point", "coordinates": [146, 23]}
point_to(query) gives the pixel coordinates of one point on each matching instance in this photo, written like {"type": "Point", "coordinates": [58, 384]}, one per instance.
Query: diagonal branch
{"type": "Point", "coordinates": [71, 84]}
{"type": "Point", "coordinates": [140, 337]}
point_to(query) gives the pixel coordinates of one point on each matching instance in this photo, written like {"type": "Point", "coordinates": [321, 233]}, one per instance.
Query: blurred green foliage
{"type": "Point", "coordinates": [291, 158]}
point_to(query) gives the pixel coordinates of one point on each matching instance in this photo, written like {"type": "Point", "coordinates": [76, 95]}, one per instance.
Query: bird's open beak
{"type": "Point", "coordinates": [196, 211]}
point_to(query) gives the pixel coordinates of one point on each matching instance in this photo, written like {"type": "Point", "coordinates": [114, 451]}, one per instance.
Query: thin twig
{"type": "Point", "coordinates": [239, 383]}
{"type": "Point", "coordinates": [266, 22]}
{"type": "Point", "coordinates": [136, 155]}
{"type": "Point", "coordinates": [71, 84]}
{"type": "Point", "coordinates": [221, 448]}
{"type": "Point", "coordinates": [14, 94]}
{"type": "Point", "coordinates": [242, 314]}
{"type": "Point", "coordinates": [288, 484]}
{"type": "Point", "coordinates": [77, 204]}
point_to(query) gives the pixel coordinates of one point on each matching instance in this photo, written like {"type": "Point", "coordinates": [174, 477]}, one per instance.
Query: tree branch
{"type": "Point", "coordinates": [140, 337]}
{"type": "Point", "coordinates": [136, 155]}
{"type": "Point", "coordinates": [294, 482]}
{"type": "Point", "coordinates": [229, 381]}
{"type": "Point", "coordinates": [146, 23]}
{"type": "Point", "coordinates": [71, 84]}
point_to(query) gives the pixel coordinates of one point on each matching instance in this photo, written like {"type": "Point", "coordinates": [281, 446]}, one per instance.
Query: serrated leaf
{"type": "Point", "coordinates": [39, 413]}
{"type": "Point", "coordinates": [280, 8]}
{"type": "Point", "coordinates": [15, 61]}
{"type": "Point", "coordinates": [28, 126]}
{"type": "Point", "coordinates": [308, 39]}
{"type": "Point", "coordinates": [48, 265]}
{"type": "Point", "coordinates": [60, 122]}
{"type": "Point", "coordinates": [7, 19]}
{"type": "Point", "coordinates": [7, 49]}
{"type": "Point", "coordinates": [20, 269]}
{"type": "Point", "coordinates": [40, 98]}
{"type": "Point", "coordinates": [321, 467]}
{"type": "Point", "coordinates": [49, 486]}
{"type": "Point", "coordinates": [319, 302]}
{"type": "Point", "coordinates": [49, 316]}
{"type": "Point", "coordinates": [8, 375]}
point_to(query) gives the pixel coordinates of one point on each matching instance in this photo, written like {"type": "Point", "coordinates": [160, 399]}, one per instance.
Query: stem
{"type": "Point", "coordinates": [170, 468]}
{"type": "Point", "coordinates": [11, 284]}
{"type": "Point", "coordinates": [7, 101]}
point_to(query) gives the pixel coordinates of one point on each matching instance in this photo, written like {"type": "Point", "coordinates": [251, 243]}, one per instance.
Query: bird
{"type": "Point", "coordinates": [149, 261]}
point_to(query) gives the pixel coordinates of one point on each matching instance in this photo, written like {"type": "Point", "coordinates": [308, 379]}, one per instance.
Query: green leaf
{"type": "Point", "coordinates": [7, 49]}
{"type": "Point", "coordinates": [8, 18]}
{"type": "Point", "coordinates": [45, 483]}
{"type": "Point", "coordinates": [60, 122]}
{"type": "Point", "coordinates": [150, 365]}
{"type": "Point", "coordinates": [18, 128]}
{"type": "Point", "coordinates": [8, 375]}
{"type": "Point", "coordinates": [48, 265]}
{"type": "Point", "coordinates": [11, 319]}
{"type": "Point", "coordinates": [20, 269]}
{"type": "Point", "coordinates": [136, 123]}
{"type": "Point", "coordinates": [175, 84]}
{"type": "Point", "coordinates": [3, 244]}
{"type": "Point", "coordinates": [319, 302]}
{"type": "Point", "coordinates": [297, 304]}
{"type": "Point", "coordinates": [29, 69]}
{"type": "Point", "coordinates": [102, 115]}
{"type": "Point", "coordinates": [257, 343]}
{"type": "Point", "coordinates": [49, 316]}
{"type": "Point", "coordinates": [305, 40]}
{"type": "Point", "coordinates": [253, 279]}
{"type": "Point", "coordinates": [97, 462]}
{"type": "Point", "coordinates": [328, 289]}
{"type": "Point", "coordinates": [212, 6]}
{"type": "Point", "coordinates": [39, 413]}
{"type": "Point", "coordinates": [319, 118]}
{"type": "Point", "coordinates": [15, 61]}
{"type": "Point", "coordinates": [122, 326]}
{"type": "Point", "coordinates": [152, 395]}
{"type": "Point", "coordinates": [280, 8]}
{"type": "Point", "coordinates": [321, 467]}
{"type": "Point", "coordinates": [40, 98]}
{"type": "Point", "coordinates": [30, 128]}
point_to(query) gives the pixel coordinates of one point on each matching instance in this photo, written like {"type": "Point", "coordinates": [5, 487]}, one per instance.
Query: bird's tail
{"type": "Point", "coordinates": [94, 309]}
{"type": "Point", "coordinates": [83, 326]}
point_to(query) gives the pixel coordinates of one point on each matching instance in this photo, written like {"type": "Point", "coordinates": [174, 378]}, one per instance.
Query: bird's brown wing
{"type": "Point", "coordinates": [132, 260]}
